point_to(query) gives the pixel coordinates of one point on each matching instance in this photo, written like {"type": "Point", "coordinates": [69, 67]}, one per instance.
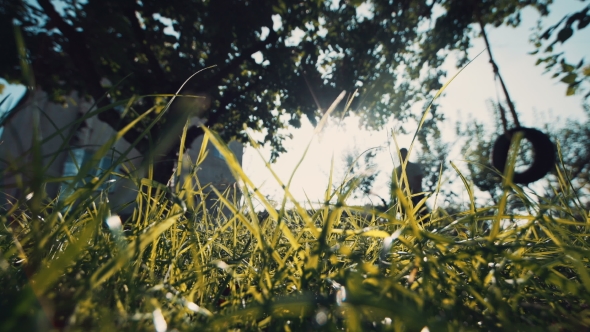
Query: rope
{"type": "Point", "coordinates": [543, 148]}
{"type": "Point", "coordinates": [500, 107]}
{"type": "Point", "coordinates": [497, 75]}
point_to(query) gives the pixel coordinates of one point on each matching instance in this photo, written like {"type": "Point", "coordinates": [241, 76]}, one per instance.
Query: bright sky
{"type": "Point", "coordinates": [539, 99]}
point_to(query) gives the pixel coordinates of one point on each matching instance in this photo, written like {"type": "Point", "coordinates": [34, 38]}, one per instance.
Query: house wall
{"type": "Point", "coordinates": [17, 137]}
{"type": "Point", "coordinates": [15, 145]}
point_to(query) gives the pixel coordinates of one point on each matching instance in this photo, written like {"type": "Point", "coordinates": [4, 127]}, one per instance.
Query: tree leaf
{"type": "Point", "coordinates": [567, 67]}
{"type": "Point", "coordinates": [584, 22]}
{"type": "Point", "coordinates": [571, 90]}
{"type": "Point", "coordinates": [564, 34]}
{"type": "Point", "coordinates": [569, 78]}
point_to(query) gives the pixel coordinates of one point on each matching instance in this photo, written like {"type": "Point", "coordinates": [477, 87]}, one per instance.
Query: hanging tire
{"type": "Point", "coordinates": [543, 154]}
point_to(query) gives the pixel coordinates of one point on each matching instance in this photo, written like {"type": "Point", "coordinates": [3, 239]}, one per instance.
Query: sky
{"type": "Point", "coordinates": [538, 98]}
{"type": "Point", "coordinates": [12, 93]}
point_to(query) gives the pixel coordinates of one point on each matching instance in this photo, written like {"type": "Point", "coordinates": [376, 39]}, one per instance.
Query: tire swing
{"type": "Point", "coordinates": [543, 149]}
{"type": "Point", "coordinates": [543, 154]}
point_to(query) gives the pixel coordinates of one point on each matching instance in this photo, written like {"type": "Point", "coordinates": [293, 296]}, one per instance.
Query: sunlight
{"type": "Point", "coordinates": [335, 141]}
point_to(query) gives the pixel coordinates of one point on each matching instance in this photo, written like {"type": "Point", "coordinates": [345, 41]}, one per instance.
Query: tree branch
{"type": "Point", "coordinates": [139, 33]}
{"type": "Point", "coordinates": [77, 48]}
{"type": "Point", "coordinates": [244, 55]}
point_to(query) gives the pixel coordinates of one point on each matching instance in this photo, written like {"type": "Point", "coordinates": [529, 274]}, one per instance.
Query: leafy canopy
{"type": "Point", "coordinates": [268, 63]}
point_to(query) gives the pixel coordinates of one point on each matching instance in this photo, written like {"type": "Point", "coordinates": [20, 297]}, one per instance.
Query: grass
{"type": "Point", "coordinates": [177, 265]}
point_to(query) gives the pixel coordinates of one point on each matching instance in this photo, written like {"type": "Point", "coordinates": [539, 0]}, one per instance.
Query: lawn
{"type": "Point", "coordinates": [174, 264]}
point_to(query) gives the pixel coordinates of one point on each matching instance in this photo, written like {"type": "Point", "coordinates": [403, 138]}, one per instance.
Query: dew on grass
{"type": "Point", "coordinates": [192, 306]}
{"type": "Point", "coordinates": [321, 318]}
{"type": "Point", "coordinates": [159, 321]}
{"type": "Point", "coordinates": [341, 295]}
{"type": "Point", "coordinates": [114, 222]}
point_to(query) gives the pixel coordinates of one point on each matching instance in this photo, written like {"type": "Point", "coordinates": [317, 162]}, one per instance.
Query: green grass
{"type": "Point", "coordinates": [175, 264]}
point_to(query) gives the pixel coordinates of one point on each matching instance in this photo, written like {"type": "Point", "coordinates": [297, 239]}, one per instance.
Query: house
{"type": "Point", "coordinates": [61, 159]}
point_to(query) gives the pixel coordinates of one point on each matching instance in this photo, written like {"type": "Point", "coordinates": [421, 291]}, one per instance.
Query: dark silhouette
{"type": "Point", "coordinates": [412, 179]}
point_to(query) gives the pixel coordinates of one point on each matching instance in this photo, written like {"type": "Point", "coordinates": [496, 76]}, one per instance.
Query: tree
{"type": "Point", "coordinates": [477, 154]}
{"type": "Point", "coordinates": [263, 76]}
{"type": "Point", "coordinates": [360, 173]}
{"type": "Point", "coordinates": [572, 74]}
{"type": "Point", "coordinates": [433, 157]}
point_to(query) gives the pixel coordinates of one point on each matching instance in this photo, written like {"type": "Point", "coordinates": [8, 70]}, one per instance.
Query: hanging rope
{"type": "Point", "coordinates": [499, 77]}
{"type": "Point", "coordinates": [500, 107]}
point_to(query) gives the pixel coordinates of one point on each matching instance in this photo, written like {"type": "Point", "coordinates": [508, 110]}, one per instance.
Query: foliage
{"type": "Point", "coordinates": [479, 142]}
{"type": "Point", "coordinates": [433, 157]}
{"type": "Point", "coordinates": [572, 74]}
{"type": "Point", "coordinates": [361, 172]}
{"type": "Point", "coordinates": [178, 264]}
{"type": "Point", "coordinates": [574, 140]}
{"type": "Point", "coordinates": [264, 65]}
